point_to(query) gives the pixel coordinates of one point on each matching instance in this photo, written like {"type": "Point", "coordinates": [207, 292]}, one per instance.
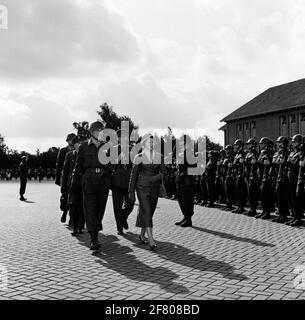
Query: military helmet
{"type": "Point", "coordinates": [96, 125]}
{"type": "Point", "coordinates": [298, 138]}
{"type": "Point", "coordinates": [238, 143]}
{"type": "Point", "coordinates": [229, 147]}
{"type": "Point", "coordinates": [264, 140]}
{"type": "Point", "coordinates": [282, 141]}
{"type": "Point", "coordinates": [252, 142]}
{"type": "Point", "coordinates": [70, 136]}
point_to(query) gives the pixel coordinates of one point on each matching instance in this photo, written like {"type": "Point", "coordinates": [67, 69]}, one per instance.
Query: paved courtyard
{"type": "Point", "coordinates": [224, 255]}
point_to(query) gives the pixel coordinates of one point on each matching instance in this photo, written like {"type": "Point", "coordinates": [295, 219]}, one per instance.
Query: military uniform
{"type": "Point", "coordinates": [75, 196]}
{"type": "Point", "coordinates": [185, 192]}
{"type": "Point", "coordinates": [211, 177]}
{"type": "Point", "coordinates": [252, 178]}
{"type": "Point", "coordinates": [95, 183]}
{"type": "Point", "coordinates": [295, 202]}
{"type": "Point", "coordinates": [122, 206]}
{"type": "Point", "coordinates": [23, 174]}
{"type": "Point", "coordinates": [230, 185]}
{"type": "Point", "coordinates": [266, 190]}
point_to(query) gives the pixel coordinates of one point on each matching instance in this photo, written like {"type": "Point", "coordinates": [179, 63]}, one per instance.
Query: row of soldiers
{"type": "Point", "coordinates": [241, 174]}
{"type": "Point", "coordinates": [33, 174]}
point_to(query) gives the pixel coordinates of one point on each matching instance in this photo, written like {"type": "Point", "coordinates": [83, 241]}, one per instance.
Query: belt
{"type": "Point", "coordinates": [95, 170]}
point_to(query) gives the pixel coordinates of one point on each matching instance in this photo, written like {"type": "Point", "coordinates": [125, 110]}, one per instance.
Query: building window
{"type": "Point", "coordinates": [253, 129]}
{"type": "Point", "coordinates": [292, 125]}
{"type": "Point", "coordinates": [283, 126]}
{"type": "Point", "coordinates": [246, 131]}
{"type": "Point", "coordinates": [302, 123]}
{"type": "Point", "coordinates": [239, 131]}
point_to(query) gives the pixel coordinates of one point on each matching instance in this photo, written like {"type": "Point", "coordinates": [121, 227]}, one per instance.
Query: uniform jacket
{"type": "Point", "coordinates": [60, 163]}
{"type": "Point", "coordinates": [87, 158]}
{"type": "Point", "coordinates": [23, 170]}
{"type": "Point", "coordinates": [67, 172]}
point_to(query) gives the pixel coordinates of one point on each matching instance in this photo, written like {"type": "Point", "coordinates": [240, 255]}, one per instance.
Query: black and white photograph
{"type": "Point", "coordinates": [152, 153]}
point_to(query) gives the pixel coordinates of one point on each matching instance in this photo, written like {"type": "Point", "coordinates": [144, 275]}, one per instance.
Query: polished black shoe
{"type": "Point", "coordinates": [22, 198]}
{"type": "Point", "coordinates": [238, 210]}
{"type": "Point", "coordinates": [120, 232]}
{"type": "Point", "coordinates": [266, 216]}
{"type": "Point", "coordinates": [142, 240]}
{"type": "Point", "coordinates": [210, 205]}
{"type": "Point", "coordinates": [290, 221]}
{"type": "Point", "coordinates": [63, 218]}
{"type": "Point", "coordinates": [296, 223]}
{"type": "Point", "coordinates": [251, 213]}
{"type": "Point", "coordinates": [180, 222]}
{"type": "Point", "coordinates": [186, 223]}
{"type": "Point", "coordinates": [94, 246]}
{"type": "Point", "coordinates": [281, 220]}
{"type": "Point", "coordinates": [125, 225]}
{"type": "Point", "coordinates": [74, 234]}
{"type": "Point", "coordinates": [259, 215]}
{"type": "Point", "coordinates": [203, 203]}
{"type": "Point", "coordinates": [228, 208]}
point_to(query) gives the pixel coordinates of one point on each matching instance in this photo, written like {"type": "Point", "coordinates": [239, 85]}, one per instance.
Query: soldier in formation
{"type": "Point", "coordinates": [265, 177]}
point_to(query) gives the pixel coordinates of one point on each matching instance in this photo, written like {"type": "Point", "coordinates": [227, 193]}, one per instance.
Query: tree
{"type": "Point", "coordinates": [112, 120]}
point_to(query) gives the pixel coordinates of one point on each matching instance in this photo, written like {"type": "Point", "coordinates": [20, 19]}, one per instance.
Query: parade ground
{"type": "Point", "coordinates": [223, 256]}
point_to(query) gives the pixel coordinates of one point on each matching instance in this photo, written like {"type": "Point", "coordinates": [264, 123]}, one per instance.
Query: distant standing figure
{"type": "Point", "coordinates": [23, 174]}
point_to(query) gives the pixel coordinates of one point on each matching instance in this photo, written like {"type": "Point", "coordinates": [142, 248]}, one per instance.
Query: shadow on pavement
{"type": "Point", "coordinates": [186, 257]}
{"type": "Point", "coordinates": [120, 259]}
{"type": "Point", "coordinates": [235, 238]}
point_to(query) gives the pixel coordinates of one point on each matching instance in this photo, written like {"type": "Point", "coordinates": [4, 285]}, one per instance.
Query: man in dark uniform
{"type": "Point", "coordinates": [185, 184]}
{"type": "Point", "coordinates": [219, 182]}
{"type": "Point", "coordinates": [300, 192]}
{"type": "Point", "coordinates": [266, 189]}
{"type": "Point", "coordinates": [211, 176]}
{"type": "Point", "coordinates": [293, 162]}
{"type": "Point", "coordinates": [230, 185]}
{"type": "Point", "coordinates": [75, 197]}
{"type": "Point", "coordinates": [241, 184]}
{"type": "Point", "coordinates": [23, 174]}
{"type": "Point", "coordinates": [122, 206]}
{"type": "Point", "coordinates": [59, 167]}
{"type": "Point", "coordinates": [252, 176]}
{"type": "Point", "coordinates": [279, 171]}
{"type": "Point", "coordinates": [94, 177]}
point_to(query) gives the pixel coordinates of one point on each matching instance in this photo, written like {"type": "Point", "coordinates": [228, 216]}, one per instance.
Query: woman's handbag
{"type": "Point", "coordinates": [162, 190]}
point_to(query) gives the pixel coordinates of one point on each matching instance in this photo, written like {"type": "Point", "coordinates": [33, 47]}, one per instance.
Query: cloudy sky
{"type": "Point", "coordinates": [179, 63]}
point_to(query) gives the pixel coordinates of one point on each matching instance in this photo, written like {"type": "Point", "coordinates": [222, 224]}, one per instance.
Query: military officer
{"type": "Point", "coordinates": [122, 206]}
{"type": "Point", "coordinates": [75, 197]}
{"type": "Point", "coordinates": [241, 185]}
{"type": "Point", "coordinates": [185, 184]}
{"type": "Point", "coordinates": [23, 174]}
{"type": "Point", "coordinates": [230, 186]}
{"type": "Point", "coordinates": [211, 168]}
{"type": "Point", "coordinates": [266, 189]}
{"type": "Point", "coordinates": [252, 176]}
{"type": "Point", "coordinates": [294, 160]}
{"type": "Point", "coordinates": [94, 178]}
{"type": "Point", "coordinates": [58, 173]}
{"type": "Point", "coordinates": [279, 171]}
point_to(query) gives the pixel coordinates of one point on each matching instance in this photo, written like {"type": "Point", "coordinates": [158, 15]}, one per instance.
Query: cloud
{"type": "Point", "coordinates": [63, 38]}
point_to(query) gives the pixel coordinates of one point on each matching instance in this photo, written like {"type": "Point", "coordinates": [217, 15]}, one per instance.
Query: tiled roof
{"type": "Point", "coordinates": [289, 95]}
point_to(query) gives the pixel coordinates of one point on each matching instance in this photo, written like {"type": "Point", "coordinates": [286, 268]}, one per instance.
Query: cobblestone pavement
{"type": "Point", "coordinates": [224, 255]}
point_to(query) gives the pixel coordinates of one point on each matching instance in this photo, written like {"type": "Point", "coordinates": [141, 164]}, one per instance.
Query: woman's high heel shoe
{"type": "Point", "coordinates": [143, 241]}
{"type": "Point", "coordinates": [153, 247]}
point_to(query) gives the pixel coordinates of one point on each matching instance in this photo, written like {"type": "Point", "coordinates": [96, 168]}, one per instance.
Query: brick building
{"type": "Point", "coordinates": [278, 111]}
